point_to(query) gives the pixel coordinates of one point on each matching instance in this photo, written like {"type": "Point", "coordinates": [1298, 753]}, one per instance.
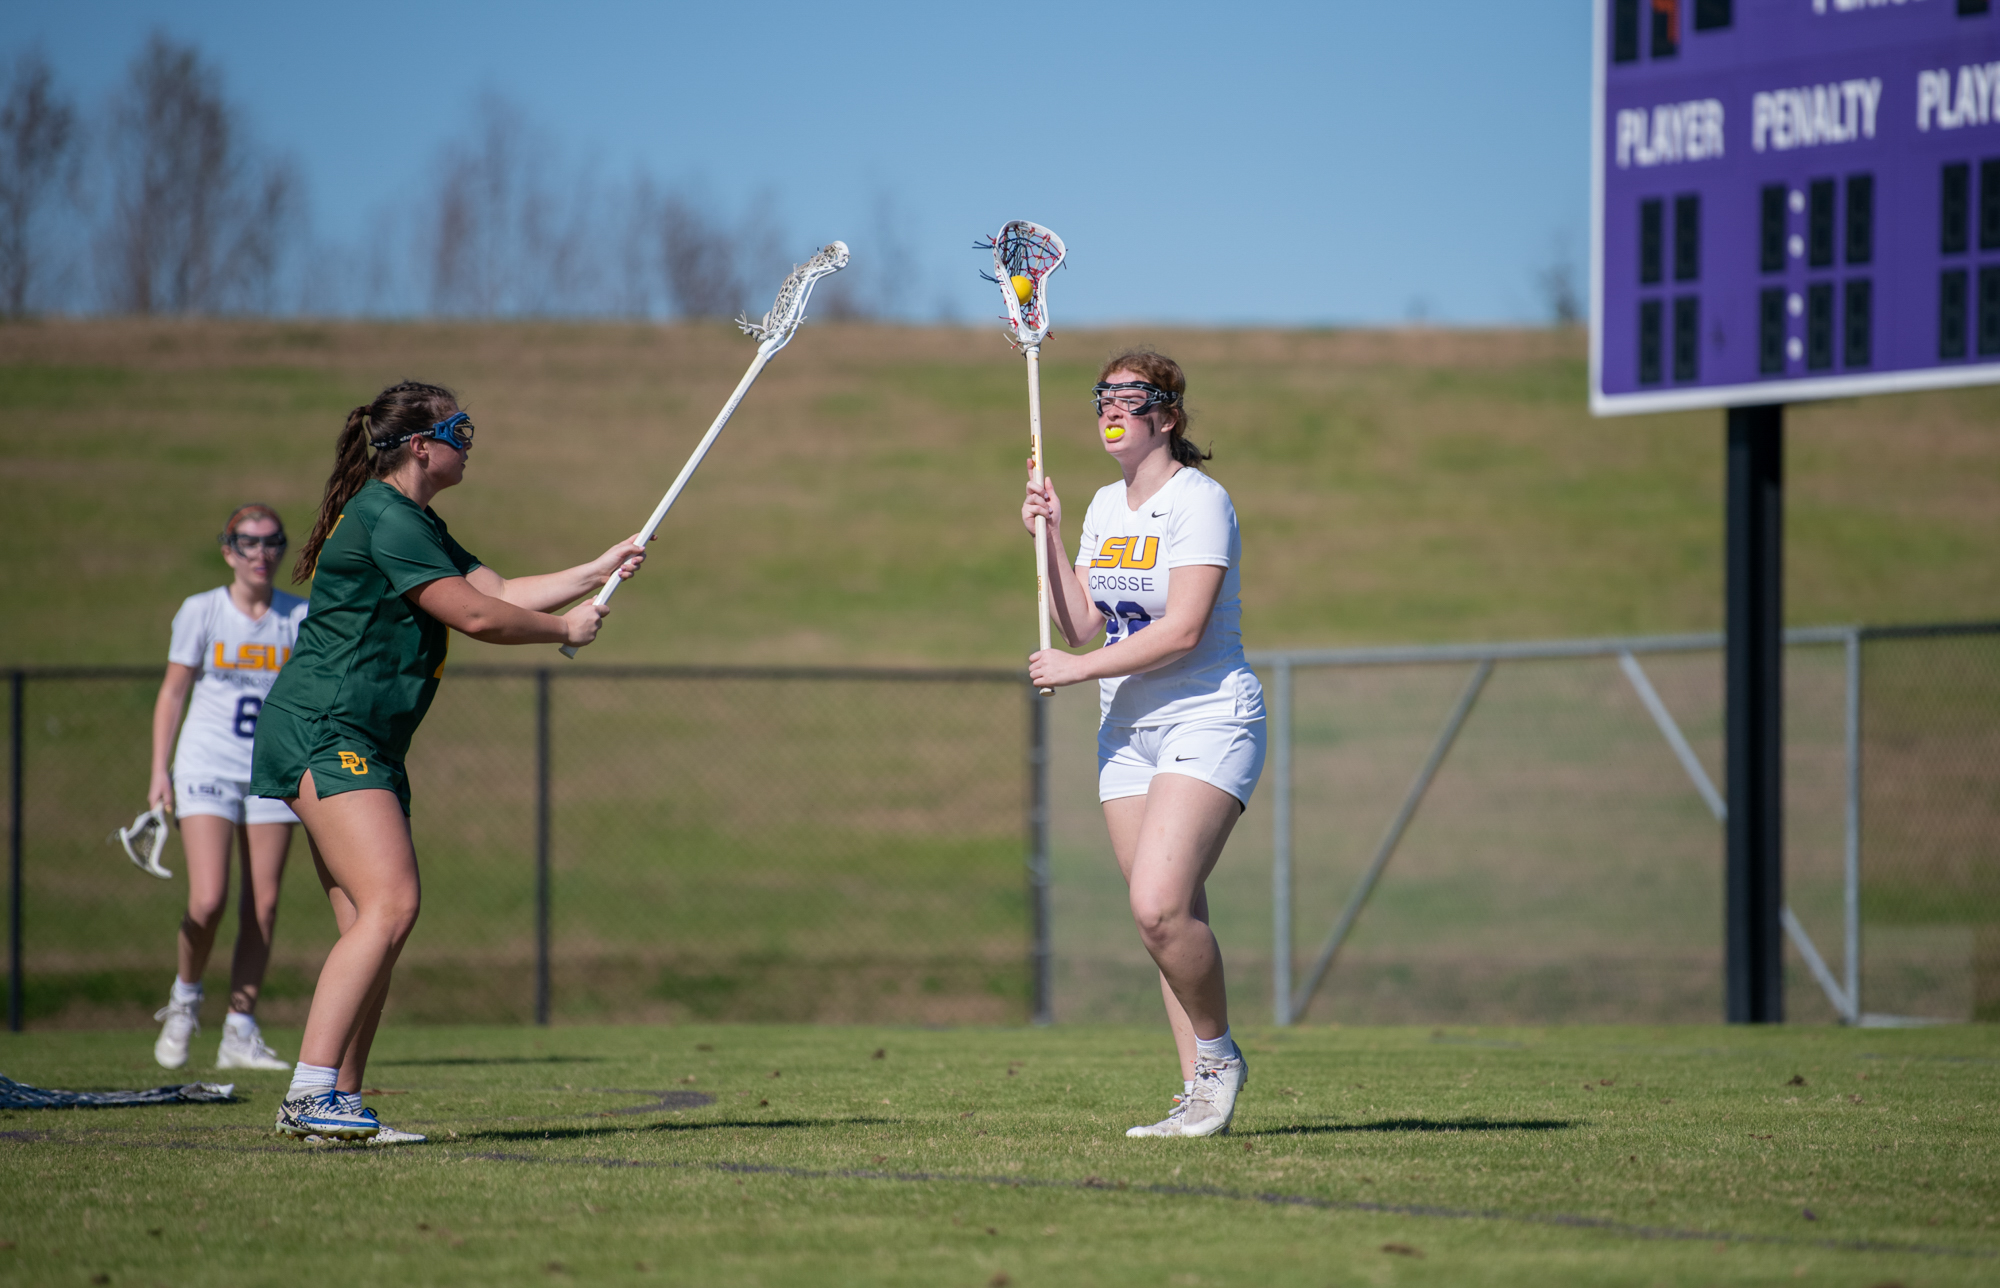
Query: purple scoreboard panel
{"type": "Point", "coordinates": [1793, 199]}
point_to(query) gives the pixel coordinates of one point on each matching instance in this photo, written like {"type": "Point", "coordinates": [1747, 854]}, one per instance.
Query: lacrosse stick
{"type": "Point", "coordinates": [144, 840]}
{"type": "Point", "coordinates": [773, 334]}
{"type": "Point", "coordinates": [1024, 255]}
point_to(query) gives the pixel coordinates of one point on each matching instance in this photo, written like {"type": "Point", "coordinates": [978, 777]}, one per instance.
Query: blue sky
{"type": "Point", "coordinates": [1336, 162]}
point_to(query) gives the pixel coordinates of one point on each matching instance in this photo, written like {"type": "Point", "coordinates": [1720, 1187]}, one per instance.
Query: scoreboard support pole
{"type": "Point", "coordinates": [1754, 666]}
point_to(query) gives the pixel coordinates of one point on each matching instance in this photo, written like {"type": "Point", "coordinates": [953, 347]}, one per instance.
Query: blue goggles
{"type": "Point", "coordinates": [453, 431]}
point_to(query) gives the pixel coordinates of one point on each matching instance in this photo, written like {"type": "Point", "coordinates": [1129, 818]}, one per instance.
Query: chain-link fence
{"type": "Point", "coordinates": [839, 845]}
{"type": "Point", "coordinates": [1930, 820]}
{"type": "Point", "coordinates": [1544, 850]}
{"type": "Point", "coordinates": [634, 843]}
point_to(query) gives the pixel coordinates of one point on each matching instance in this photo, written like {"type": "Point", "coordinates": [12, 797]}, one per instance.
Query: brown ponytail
{"type": "Point", "coordinates": [1160, 370]}
{"type": "Point", "coordinates": [397, 411]}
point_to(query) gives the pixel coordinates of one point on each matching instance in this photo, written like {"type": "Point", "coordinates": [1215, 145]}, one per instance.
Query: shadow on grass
{"type": "Point", "coordinates": [591, 1133]}
{"type": "Point", "coordinates": [1418, 1124]}
{"type": "Point", "coordinates": [490, 1059]}
{"type": "Point", "coordinates": [663, 1102]}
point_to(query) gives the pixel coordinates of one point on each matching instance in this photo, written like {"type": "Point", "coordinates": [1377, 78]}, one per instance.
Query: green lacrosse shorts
{"type": "Point", "coordinates": [340, 758]}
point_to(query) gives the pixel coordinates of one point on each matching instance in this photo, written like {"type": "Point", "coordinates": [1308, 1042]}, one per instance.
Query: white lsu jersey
{"type": "Point", "coordinates": [1127, 558]}
{"type": "Point", "coordinates": [236, 661]}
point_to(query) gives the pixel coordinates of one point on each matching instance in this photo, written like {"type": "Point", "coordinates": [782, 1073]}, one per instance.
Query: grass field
{"type": "Point", "coordinates": [1394, 486]}
{"type": "Point", "coordinates": [992, 1157]}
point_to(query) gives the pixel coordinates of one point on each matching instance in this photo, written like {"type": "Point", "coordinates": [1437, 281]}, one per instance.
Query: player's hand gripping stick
{"type": "Point", "coordinates": [773, 334]}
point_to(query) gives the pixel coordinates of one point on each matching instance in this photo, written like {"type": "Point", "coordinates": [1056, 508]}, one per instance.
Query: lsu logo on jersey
{"type": "Point", "coordinates": [1127, 552]}
{"type": "Point", "coordinates": [352, 763]}
{"type": "Point", "coordinates": [252, 657]}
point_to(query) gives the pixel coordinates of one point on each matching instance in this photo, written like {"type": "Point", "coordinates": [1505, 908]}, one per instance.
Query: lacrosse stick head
{"type": "Point", "coordinates": [144, 840]}
{"type": "Point", "coordinates": [1028, 252]}
{"type": "Point", "coordinates": [774, 332]}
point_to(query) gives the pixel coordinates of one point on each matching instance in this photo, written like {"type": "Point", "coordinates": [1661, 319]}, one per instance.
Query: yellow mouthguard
{"type": "Point", "coordinates": [1114, 433]}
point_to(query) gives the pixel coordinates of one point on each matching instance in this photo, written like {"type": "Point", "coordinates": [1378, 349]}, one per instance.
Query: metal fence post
{"type": "Point", "coordinates": [17, 798]}
{"type": "Point", "coordinates": [1853, 857]}
{"type": "Point", "coordinates": [1041, 956]}
{"type": "Point", "coordinates": [542, 845]}
{"type": "Point", "coordinates": [1281, 846]}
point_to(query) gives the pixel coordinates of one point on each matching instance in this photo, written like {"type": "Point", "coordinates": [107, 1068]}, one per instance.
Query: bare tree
{"type": "Point", "coordinates": [699, 258]}
{"type": "Point", "coordinates": [478, 185]}
{"type": "Point", "coordinates": [515, 229]}
{"type": "Point", "coordinates": [37, 151]}
{"type": "Point", "coordinates": [634, 249]}
{"type": "Point", "coordinates": [1556, 281]}
{"type": "Point", "coordinates": [198, 221]}
{"type": "Point", "coordinates": [884, 281]}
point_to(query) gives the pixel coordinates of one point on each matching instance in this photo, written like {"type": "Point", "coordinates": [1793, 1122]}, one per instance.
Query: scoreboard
{"type": "Point", "coordinates": [1792, 199]}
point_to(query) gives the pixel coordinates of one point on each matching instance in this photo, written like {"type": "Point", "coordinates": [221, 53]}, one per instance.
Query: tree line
{"type": "Point", "coordinates": [162, 201]}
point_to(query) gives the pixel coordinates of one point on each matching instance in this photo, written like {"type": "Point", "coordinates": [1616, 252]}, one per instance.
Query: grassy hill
{"type": "Point", "coordinates": [1411, 485]}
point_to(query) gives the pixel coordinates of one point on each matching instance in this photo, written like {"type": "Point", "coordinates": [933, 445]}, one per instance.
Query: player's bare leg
{"type": "Point", "coordinates": [361, 844]}
{"type": "Point", "coordinates": [262, 847]}
{"type": "Point", "coordinates": [205, 839]}
{"type": "Point", "coordinates": [354, 1064]}
{"type": "Point", "coordinates": [1167, 843]}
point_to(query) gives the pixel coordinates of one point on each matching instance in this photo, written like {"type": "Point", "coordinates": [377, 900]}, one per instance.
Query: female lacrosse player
{"type": "Point", "coordinates": [226, 648]}
{"type": "Point", "coordinates": [1180, 738]}
{"type": "Point", "coordinates": [388, 582]}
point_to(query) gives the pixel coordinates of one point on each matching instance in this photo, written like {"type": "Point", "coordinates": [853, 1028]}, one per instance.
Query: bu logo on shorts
{"type": "Point", "coordinates": [352, 763]}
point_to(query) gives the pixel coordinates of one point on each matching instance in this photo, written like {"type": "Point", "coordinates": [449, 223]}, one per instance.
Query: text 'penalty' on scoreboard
{"type": "Point", "coordinates": [1793, 199]}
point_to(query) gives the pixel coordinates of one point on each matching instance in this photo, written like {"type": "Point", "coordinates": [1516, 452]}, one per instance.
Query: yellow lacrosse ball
{"type": "Point", "coordinates": [1023, 288]}
{"type": "Point", "coordinates": [1114, 433]}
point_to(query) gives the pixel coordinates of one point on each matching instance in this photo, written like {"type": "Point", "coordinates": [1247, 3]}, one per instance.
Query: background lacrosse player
{"type": "Point", "coordinates": [227, 647]}
{"type": "Point", "coordinates": [389, 584]}
{"type": "Point", "coordinates": [1180, 740]}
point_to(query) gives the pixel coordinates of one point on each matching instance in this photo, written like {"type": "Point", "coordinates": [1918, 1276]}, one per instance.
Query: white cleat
{"type": "Point", "coordinates": [1212, 1103]}
{"type": "Point", "coordinates": [183, 1021]}
{"type": "Point", "coordinates": [1168, 1126]}
{"type": "Point", "coordinates": [248, 1053]}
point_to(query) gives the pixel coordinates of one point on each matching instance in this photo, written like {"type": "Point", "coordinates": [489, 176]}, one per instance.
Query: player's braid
{"type": "Point", "coordinates": [398, 410]}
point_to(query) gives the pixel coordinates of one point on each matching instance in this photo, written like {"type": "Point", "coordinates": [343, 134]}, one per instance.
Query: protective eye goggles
{"type": "Point", "coordinates": [1134, 397]}
{"type": "Point", "coordinates": [452, 431]}
{"type": "Point", "coordinates": [247, 545]}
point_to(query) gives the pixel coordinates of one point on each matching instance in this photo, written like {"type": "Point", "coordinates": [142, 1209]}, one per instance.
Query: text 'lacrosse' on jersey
{"type": "Point", "coordinates": [235, 659]}
{"type": "Point", "coordinates": [1127, 558]}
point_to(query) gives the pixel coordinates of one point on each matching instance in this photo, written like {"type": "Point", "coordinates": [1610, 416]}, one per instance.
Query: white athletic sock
{"type": "Point", "coordinates": [1187, 1086]}
{"type": "Point", "coordinates": [239, 1025]}
{"type": "Point", "coordinates": [185, 993]}
{"type": "Point", "coordinates": [311, 1080]}
{"type": "Point", "coordinates": [1216, 1048]}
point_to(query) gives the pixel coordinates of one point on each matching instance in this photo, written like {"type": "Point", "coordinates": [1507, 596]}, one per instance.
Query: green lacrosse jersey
{"type": "Point", "coordinates": [366, 656]}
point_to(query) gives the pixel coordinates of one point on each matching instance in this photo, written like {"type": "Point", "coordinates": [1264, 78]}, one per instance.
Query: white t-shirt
{"type": "Point", "coordinates": [1127, 557]}
{"type": "Point", "coordinates": [236, 661]}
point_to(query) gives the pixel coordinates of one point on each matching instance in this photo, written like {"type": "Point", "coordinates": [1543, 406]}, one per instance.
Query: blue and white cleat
{"type": "Point", "coordinates": [325, 1117]}
{"type": "Point", "coordinates": [383, 1135]}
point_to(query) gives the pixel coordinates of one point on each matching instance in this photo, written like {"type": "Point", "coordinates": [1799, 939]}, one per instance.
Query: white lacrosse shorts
{"type": "Point", "coordinates": [1228, 754]}
{"type": "Point", "coordinates": [227, 798]}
